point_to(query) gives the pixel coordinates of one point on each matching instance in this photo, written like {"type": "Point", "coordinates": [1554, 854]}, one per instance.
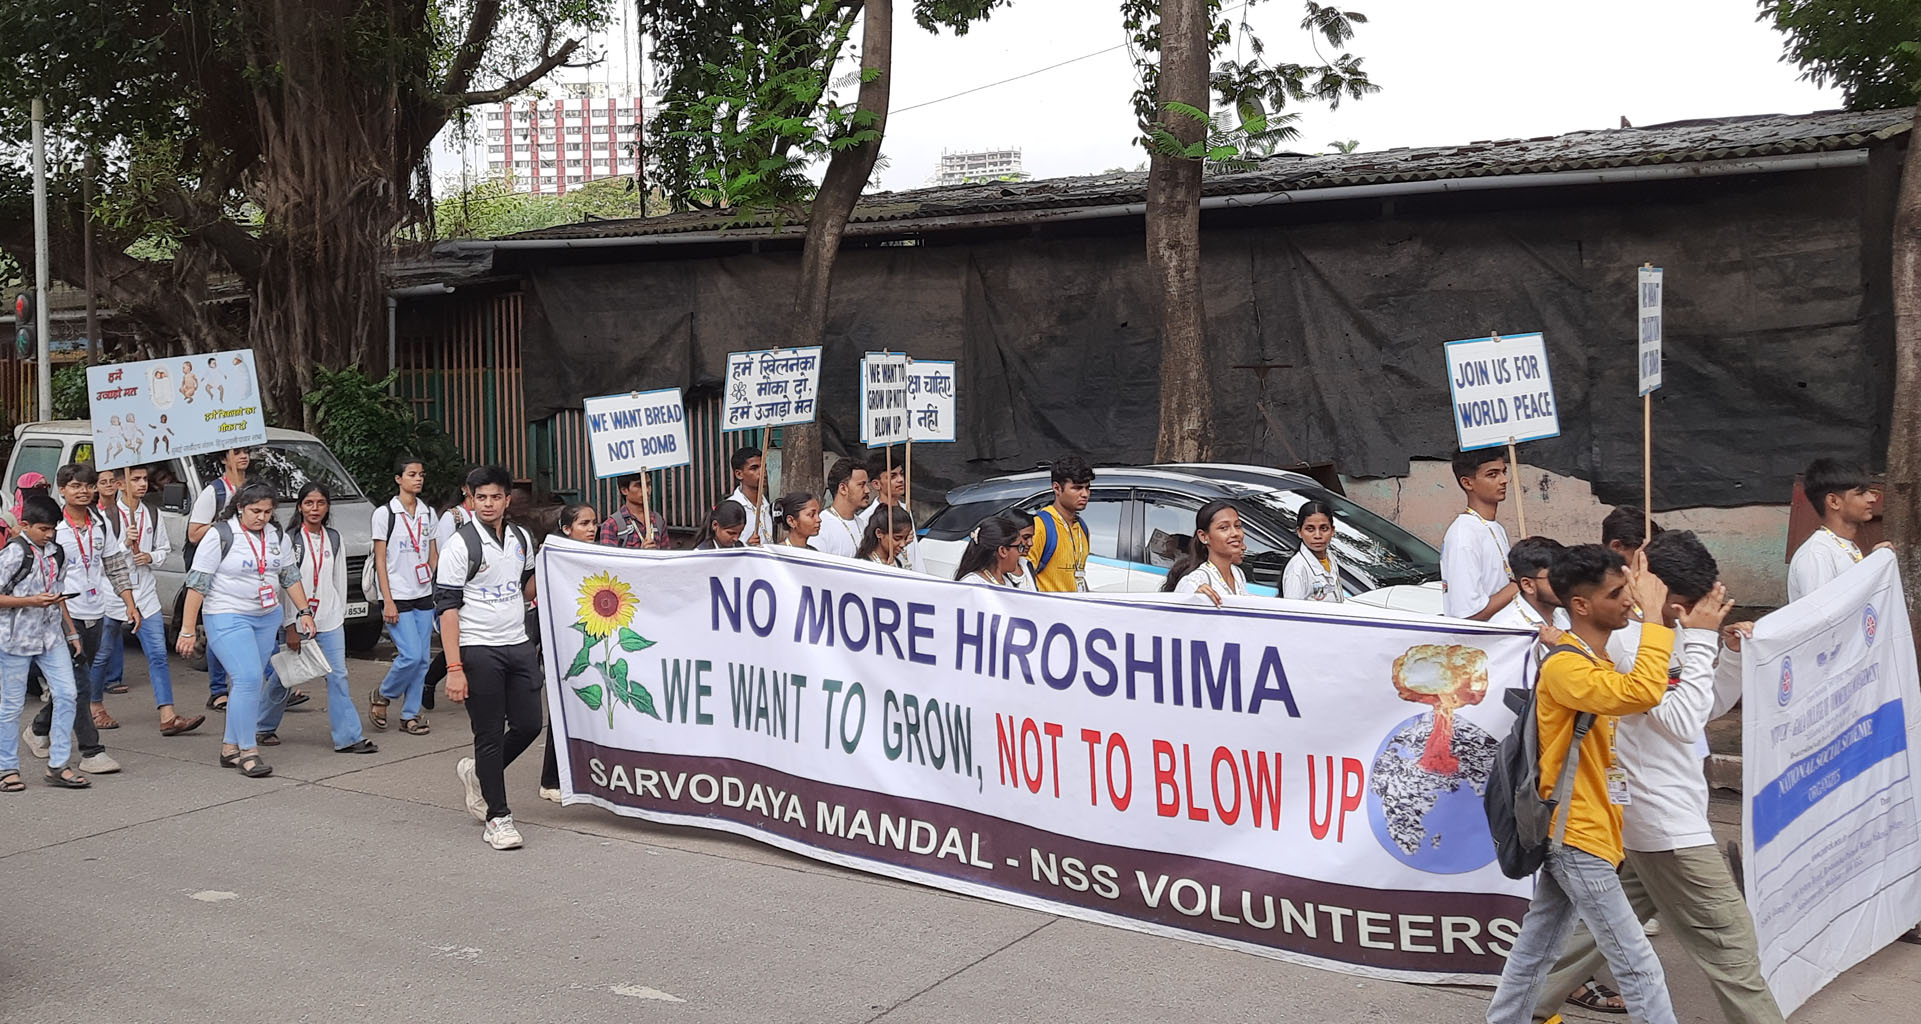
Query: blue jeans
{"type": "Point", "coordinates": [1578, 886]}
{"type": "Point", "coordinates": [413, 642]}
{"type": "Point", "coordinates": [110, 664]}
{"type": "Point", "coordinates": [216, 674]}
{"type": "Point", "coordinates": [245, 643]}
{"type": "Point", "coordinates": [56, 667]}
{"type": "Point", "coordinates": [343, 717]}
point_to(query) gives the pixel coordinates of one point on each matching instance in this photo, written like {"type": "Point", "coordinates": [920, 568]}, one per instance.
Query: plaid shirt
{"type": "Point", "coordinates": [624, 530]}
{"type": "Point", "coordinates": [25, 631]}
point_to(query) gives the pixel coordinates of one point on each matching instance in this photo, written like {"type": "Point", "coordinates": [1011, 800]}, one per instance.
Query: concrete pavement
{"type": "Point", "coordinates": [356, 887]}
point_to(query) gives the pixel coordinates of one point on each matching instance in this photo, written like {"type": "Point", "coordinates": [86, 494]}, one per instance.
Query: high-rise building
{"type": "Point", "coordinates": [548, 146]}
{"type": "Point", "coordinates": [979, 165]}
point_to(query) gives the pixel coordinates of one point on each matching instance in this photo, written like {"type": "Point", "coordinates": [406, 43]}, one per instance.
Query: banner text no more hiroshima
{"type": "Point", "coordinates": [1145, 765]}
{"type": "Point", "coordinates": [1501, 389]}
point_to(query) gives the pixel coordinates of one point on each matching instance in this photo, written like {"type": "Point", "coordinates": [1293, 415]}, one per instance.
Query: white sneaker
{"type": "Point", "coordinates": [550, 794]}
{"type": "Point", "coordinates": [1652, 927]}
{"type": "Point", "coordinates": [476, 804]}
{"type": "Point", "coordinates": [99, 764]}
{"type": "Point", "coordinates": [39, 746]}
{"type": "Point", "coordinates": [501, 834]}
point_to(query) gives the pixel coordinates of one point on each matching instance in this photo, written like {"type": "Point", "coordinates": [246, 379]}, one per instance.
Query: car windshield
{"type": "Point", "coordinates": [289, 466]}
{"type": "Point", "coordinates": [1373, 549]}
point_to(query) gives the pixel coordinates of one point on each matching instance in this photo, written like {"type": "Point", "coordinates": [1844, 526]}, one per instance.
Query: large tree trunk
{"type": "Point", "coordinates": [1902, 510]}
{"type": "Point", "coordinates": [1174, 239]}
{"type": "Point", "coordinates": [840, 189]}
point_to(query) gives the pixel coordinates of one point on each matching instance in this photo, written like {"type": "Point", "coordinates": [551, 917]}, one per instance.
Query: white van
{"type": "Point", "coordinates": [288, 461]}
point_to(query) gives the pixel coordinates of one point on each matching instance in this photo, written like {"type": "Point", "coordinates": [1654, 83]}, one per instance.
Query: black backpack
{"type": "Point", "coordinates": [26, 562]}
{"type": "Point", "coordinates": [1517, 817]}
{"type": "Point", "coordinates": [469, 534]}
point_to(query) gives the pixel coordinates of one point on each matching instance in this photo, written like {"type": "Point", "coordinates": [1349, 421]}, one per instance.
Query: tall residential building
{"type": "Point", "coordinates": [982, 165]}
{"type": "Point", "coordinates": [547, 146]}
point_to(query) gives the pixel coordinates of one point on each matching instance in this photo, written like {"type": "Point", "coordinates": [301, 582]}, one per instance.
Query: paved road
{"type": "Point", "coordinates": [356, 888]}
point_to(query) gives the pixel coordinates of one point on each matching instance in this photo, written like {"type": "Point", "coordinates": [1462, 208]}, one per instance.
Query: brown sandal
{"type": "Point", "coordinates": [377, 709]}
{"type": "Point", "coordinates": [177, 725]}
{"type": "Point", "coordinates": [414, 726]}
{"type": "Point", "coordinates": [102, 720]}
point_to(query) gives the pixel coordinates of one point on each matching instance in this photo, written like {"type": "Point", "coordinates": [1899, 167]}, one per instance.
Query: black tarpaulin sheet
{"type": "Point", "coordinates": [1325, 338]}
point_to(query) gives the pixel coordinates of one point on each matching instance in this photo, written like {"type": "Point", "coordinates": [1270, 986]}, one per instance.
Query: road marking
{"type": "Point", "coordinates": [643, 992]}
{"type": "Point", "coordinates": [467, 953]}
{"type": "Point", "coordinates": [214, 896]}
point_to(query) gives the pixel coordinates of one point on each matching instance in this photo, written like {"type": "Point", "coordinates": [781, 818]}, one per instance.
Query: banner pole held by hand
{"type": "Point", "coordinates": [1647, 457]}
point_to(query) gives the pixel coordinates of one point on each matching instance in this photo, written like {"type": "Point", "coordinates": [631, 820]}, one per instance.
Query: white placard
{"type": "Point", "coordinates": [883, 398]}
{"type": "Point", "coordinates": [1502, 391]}
{"type": "Point", "coordinates": [771, 388]}
{"type": "Point", "coordinates": [637, 431]}
{"type": "Point", "coordinates": [1248, 776]}
{"type": "Point", "coordinates": [931, 387]}
{"type": "Point", "coordinates": [1649, 294]}
{"type": "Point", "coordinates": [1829, 730]}
{"type": "Point", "coordinates": [167, 408]}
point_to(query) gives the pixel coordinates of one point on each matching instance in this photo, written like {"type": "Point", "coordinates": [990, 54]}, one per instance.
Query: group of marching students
{"type": "Point", "coordinates": [1635, 658]}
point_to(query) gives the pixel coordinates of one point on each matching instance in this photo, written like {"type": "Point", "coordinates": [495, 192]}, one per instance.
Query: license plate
{"type": "Point", "coordinates": [356, 609]}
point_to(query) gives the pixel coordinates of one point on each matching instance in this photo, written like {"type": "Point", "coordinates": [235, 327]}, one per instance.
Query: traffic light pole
{"type": "Point", "coordinates": [40, 271]}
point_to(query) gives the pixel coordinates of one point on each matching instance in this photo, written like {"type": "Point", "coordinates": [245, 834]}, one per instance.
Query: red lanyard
{"type": "Point", "coordinates": [46, 567]}
{"type": "Point", "coordinates": [413, 535]}
{"type": "Point", "coordinates": [260, 562]}
{"type": "Point", "coordinates": [82, 540]}
{"type": "Point", "coordinates": [319, 550]}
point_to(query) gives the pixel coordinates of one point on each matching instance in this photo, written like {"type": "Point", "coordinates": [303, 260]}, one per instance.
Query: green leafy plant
{"type": "Point", "coordinates": [70, 393]}
{"type": "Point", "coordinates": [366, 427]}
{"type": "Point", "coordinates": [607, 606]}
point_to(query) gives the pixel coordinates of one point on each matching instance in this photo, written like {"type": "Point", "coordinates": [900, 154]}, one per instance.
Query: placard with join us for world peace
{"type": "Point", "coordinates": [1501, 390]}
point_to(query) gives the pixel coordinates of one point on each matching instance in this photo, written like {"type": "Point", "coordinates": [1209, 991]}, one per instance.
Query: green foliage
{"type": "Point", "coordinates": [1345, 146]}
{"type": "Point", "coordinates": [1255, 90]}
{"type": "Point", "coordinates": [492, 208]}
{"type": "Point", "coordinates": [367, 428]}
{"type": "Point", "coordinates": [70, 401]}
{"type": "Point", "coordinates": [1871, 49]}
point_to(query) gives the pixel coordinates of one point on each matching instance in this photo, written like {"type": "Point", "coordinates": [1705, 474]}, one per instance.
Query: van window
{"type": "Point", "coordinates": [289, 466]}
{"type": "Point", "coordinates": [40, 456]}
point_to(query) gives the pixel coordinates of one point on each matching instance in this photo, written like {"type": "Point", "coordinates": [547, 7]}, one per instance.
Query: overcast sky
{"type": "Point", "coordinates": [1450, 72]}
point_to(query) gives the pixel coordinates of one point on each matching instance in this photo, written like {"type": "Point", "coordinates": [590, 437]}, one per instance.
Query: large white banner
{"type": "Point", "coordinates": [1830, 725]}
{"type": "Point", "coordinates": [1271, 777]}
{"type": "Point", "coordinates": [166, 408]}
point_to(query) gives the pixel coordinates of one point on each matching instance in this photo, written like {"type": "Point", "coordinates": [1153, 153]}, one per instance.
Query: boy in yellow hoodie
{"type": "Point", "coordinates": [1579, 881]}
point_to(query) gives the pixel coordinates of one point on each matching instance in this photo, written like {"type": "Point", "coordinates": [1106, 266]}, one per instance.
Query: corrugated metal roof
{"type": "Point", "coordinates": [1697, 141]}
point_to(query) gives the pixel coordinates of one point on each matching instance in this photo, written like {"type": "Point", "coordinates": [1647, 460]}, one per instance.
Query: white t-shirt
{"type": "Point", "coordinates": [760, 517]}
{"type": "Point", "coordinates": [1207, 574]}
{"type": "Point", "coordinates": [912, 554]}
{"type": "Point", "coordinates": [1520, 614]}
{"type": "Point", "coordinates": [324, 575]}
{"type": "Point", "coordinates": [450, 521]}
{"type": "Point", "coordinates": [204, 506]}
{"type": "Point", "coordinates": [493, 610]}
{"type": "Point", "coordinates": [1661, 750]}
{"type": "Point", "coordinates": [1473, 564]}
{"type": "Point", "coordinates": [1819, 559]}
{"type": "Point", "coordinates": [838, 536]}
{"type": "Point", "coordinates": [139, 527]}
{"type": "Point", "coordinates": [1305, 580]}
{"type": "Point", "coordinates": [89, 594]}
{"type": "Point", "coordinates": [1013, 582]}
{"type": "Point", "coordinates": [254, 561]}
{"type": "Point", "coordinates": [410, 540]}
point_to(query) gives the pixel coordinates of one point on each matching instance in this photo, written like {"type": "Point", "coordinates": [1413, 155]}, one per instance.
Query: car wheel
{"type": "Point", "coordinates": [363, 636]}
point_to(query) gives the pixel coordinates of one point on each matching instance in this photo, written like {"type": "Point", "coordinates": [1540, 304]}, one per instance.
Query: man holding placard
{"type": "Point", "coordinates": [1475, 579]}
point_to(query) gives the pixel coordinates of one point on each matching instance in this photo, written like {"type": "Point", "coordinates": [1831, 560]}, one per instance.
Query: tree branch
{"type": "Point", "coordinates": [519, 85]}
{"type": "Point", "coordinates": [460, 73]}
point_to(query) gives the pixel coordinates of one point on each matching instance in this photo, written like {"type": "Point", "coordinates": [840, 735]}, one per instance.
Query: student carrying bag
{"type": "Point", "coordinates": [1517, 817]}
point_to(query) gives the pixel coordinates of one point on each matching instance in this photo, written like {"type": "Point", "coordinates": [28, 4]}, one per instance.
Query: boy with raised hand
{"type": "Point", "coordinates": [1579, 880]}
{"type": "Point", "coordinates": [841, 521]}
{"type": "Point", "coordinates": [1672, 865]}
{"type": "Point", "coordinates": [1061, 544]}
{"type": "Point", "coordinates": [750, 474]}
{"type": "Point", "coordinates": [35, 630]}
{"type": "Point", "coordinates": [1840, 496]}
{"type": "Point", "coordinates": [1475, 581]}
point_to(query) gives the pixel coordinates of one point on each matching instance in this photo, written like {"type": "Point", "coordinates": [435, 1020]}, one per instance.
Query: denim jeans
{"type": "Point", "coordinates": [1578, 886]}
{"type": "Point", "coordinates": [245, 643]}
{"type": "Point", "coordinates": [56, 667]}
{"type": "Point", "coordinates": [109, 665]}
{"type": "Point", "coordinates": [343, 716]}
{"type": "Point", "coordinates": [216, 674]}
{"type": "Point", "coordinates": [413, 646]}
{"type": "Point", "coordinates": [85, 735]}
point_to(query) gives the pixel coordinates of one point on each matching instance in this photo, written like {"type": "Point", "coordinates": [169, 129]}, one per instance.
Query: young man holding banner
{"type": "Point", "coordinates": [1475, 581]}
{"type": "Point", "coordinates": [1840, 496]}
{"type": "Point", "coordinates": [1579, 881]}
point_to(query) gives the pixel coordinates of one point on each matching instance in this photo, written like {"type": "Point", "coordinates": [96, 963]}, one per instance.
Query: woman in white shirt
{"type": "Point", "coordinates": [323, 571]}
{"type": "Point", "coordinates": [994, 553]}
{"type": "Point", "coordinates": [1314, 574]}
{"type": "Point", "coordinates": [1212, 565]}
{"type": "Point", "coordinates": [237, 575]}
{"type": "Point", "coordinates": [889, 530]}
{"type": "Point", "coordinates": [799, 515]}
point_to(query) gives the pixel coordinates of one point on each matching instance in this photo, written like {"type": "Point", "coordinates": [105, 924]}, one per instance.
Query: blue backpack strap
{"type": "Point", "coordinates": [1052, 539]}
{"type": "Point", "coordinates": [224, 529]}
{"type": "Point", "coordinates": [333, 540]}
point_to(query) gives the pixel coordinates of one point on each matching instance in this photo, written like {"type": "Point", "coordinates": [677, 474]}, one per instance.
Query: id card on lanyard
{"type": "Point", "coordinates": [84, 545]}
{"type": "Point", "coordinates": [421, 575]}
{"type": "Point", "coordinates": [268, 598]}
{"type": "Point", "coordinates": [319, 566]}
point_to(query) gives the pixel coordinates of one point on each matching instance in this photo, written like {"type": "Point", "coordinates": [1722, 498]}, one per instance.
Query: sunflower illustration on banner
{"type": "Point", "coordinates": [607, 606]}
